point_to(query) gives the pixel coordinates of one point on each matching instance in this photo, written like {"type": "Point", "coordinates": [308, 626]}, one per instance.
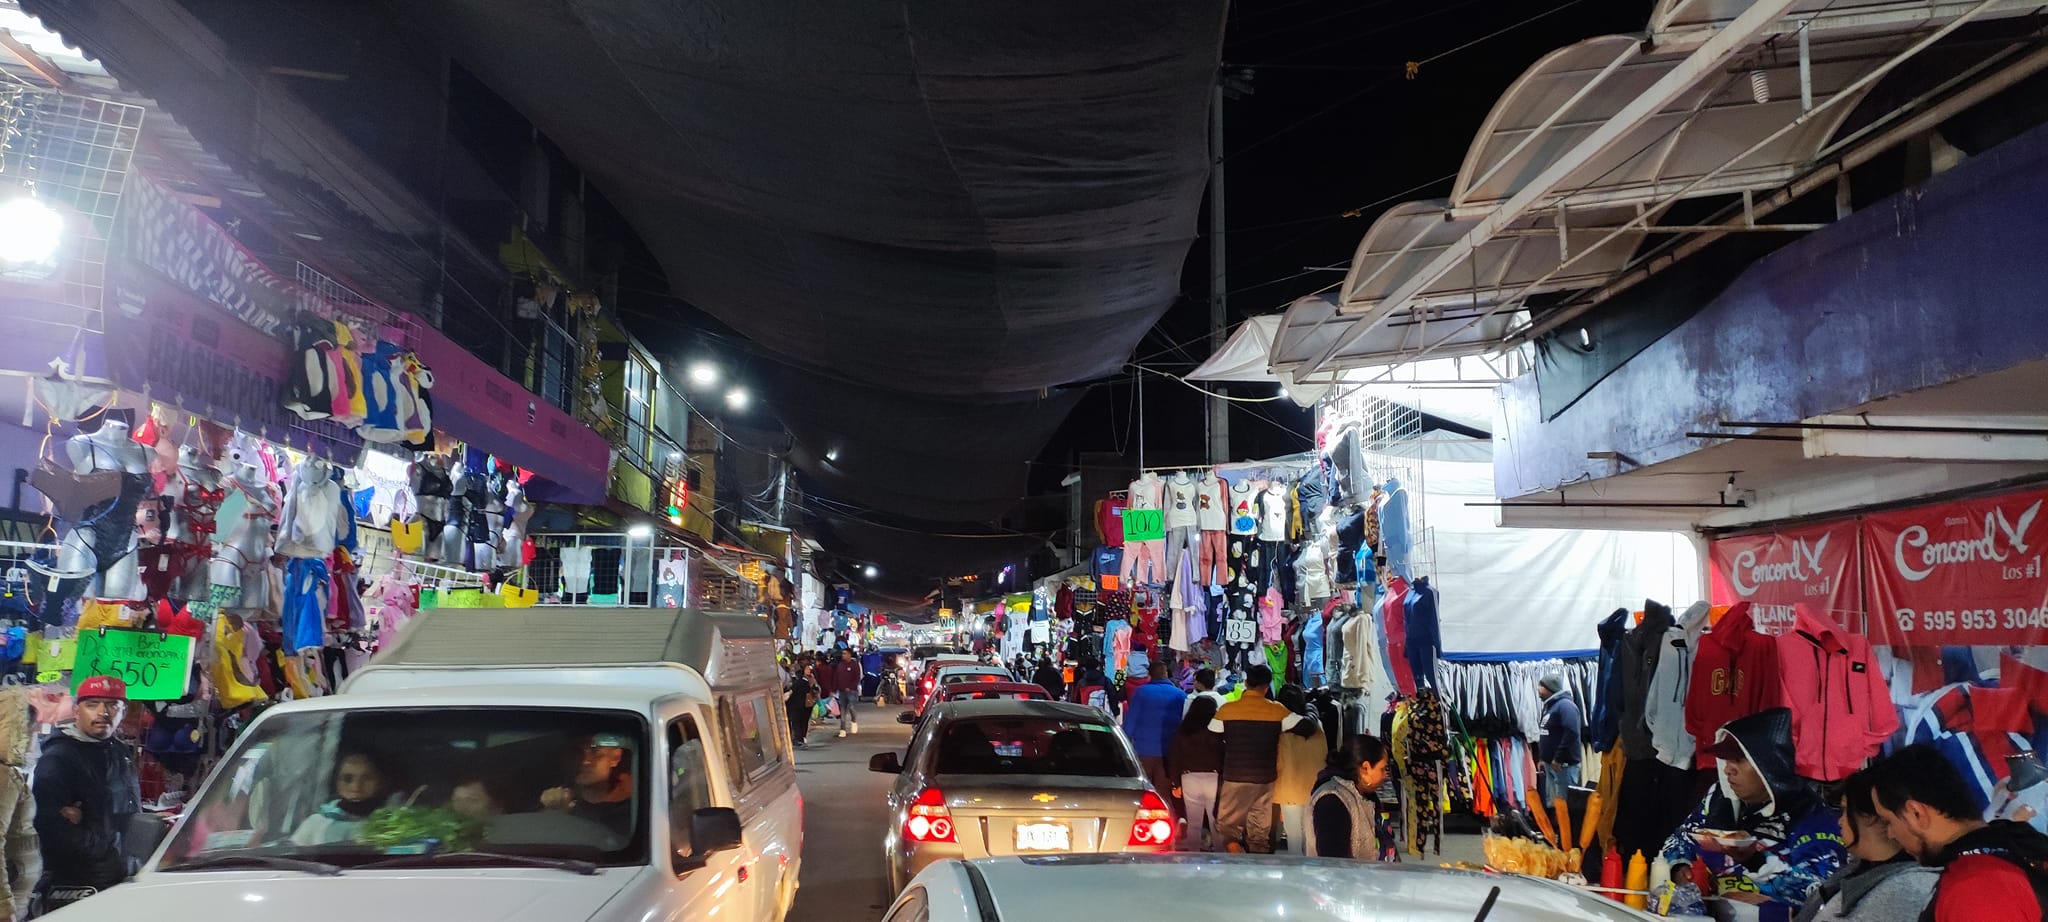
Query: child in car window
{"type": "Point", "coordinates": [473, 798]}
{"type": "Point", "coordinates": [361, 785]}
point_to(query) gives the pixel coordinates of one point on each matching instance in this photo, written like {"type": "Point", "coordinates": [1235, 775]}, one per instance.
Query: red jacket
{"type": "Point", "coordinates": [1841, 707]}
{"type": "Point", "coordinates": [839, 676]}
{"type": "Point", "coordinates": [1731, 678]}
{"type": "Point", "coordinates": [1984, 888]}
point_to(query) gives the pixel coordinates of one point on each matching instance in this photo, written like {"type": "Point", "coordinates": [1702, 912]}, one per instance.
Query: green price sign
{"type": "Point", "coordinates": [1144, 524]}
{"type": "Point", "coordinates": [157, 667]}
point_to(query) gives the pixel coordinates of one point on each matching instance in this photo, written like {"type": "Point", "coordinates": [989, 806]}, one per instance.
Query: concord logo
{"type": "Point", "coordinates": [2001, 539]}
{"type": "Point", "coordinates": [1749, 575]}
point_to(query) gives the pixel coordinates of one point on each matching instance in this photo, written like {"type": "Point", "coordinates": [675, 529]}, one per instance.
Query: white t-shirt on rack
{"type": "Point", "coordinates": [1212, 506]}
{"type": "Point", "coordinates": [1180, 501]}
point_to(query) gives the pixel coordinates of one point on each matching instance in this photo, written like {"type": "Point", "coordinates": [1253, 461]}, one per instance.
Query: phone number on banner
{"type": "Point", "coordinates": [1945, 621]}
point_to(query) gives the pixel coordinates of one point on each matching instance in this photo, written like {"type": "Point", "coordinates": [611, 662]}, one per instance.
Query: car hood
{"type": "Point", "coordinates": [472, 895]}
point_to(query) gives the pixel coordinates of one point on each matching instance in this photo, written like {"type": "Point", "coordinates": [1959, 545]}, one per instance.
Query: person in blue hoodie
{"type": "Point", "coordinates": [1559, 747]}
{"type": "Point", "coordinates": [1150, 718]}
{"type": "Point", "coordinates": [1794, 838]}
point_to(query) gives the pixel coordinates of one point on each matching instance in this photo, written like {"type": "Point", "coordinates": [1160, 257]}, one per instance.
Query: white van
{"type": "Point", "coordinates": [536, 764]}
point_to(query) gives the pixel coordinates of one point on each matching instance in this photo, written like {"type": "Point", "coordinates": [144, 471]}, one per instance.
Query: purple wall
{"type": "Point", "coordinates": [1935, 284]}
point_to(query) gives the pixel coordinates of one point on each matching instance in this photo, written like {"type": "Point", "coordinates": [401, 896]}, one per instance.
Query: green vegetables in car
{"type": "Point", "coordinates": [403, 826]}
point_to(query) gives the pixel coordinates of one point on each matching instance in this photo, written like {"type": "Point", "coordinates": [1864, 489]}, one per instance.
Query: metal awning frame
{"type": "Point", "coordinates": [1712, 55]}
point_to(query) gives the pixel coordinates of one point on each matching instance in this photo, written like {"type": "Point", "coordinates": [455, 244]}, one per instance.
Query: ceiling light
{"type": "Point", "coordinates": [736, 399]}
{"type": "Point", "coordinates": [831, 454]}
{"type": "Point", "coordinates": [642, 530]}
{"type": "Point", "coordinates": [703, 374]}
{"type": "Point", "coordinates": [872, 572]}
{"type": "Point", "coordinates": [30, 232]}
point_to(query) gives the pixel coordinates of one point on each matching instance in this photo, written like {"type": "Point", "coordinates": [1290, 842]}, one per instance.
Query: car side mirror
{"type": "Point", "coordinates": [888, 763]}
{"type": "Point", "coordinates": [712, 830]}
{"type": "Point", "coordinates": [906, 717]}
{"type": "Point", "coordinates": [146, 831]}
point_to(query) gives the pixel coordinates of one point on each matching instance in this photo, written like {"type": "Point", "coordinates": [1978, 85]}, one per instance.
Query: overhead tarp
{"type": "Point", "coordinates": [1518, 590]}
{"type": "Point", "coordinates": [960, 202]}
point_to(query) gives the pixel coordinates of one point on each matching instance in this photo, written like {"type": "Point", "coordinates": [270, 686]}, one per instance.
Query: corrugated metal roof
{"type": "Point", "coordinates": [578, 637]}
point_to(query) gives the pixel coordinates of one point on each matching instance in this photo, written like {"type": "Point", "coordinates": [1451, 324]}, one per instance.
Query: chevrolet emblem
{"type": "Point", "coordinates": [1043, 798]}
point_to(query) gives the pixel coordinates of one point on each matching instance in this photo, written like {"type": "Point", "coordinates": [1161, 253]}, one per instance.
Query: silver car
{"type": "Point", "coordinates": [1236, 888]}
{"type": "Point", "coordinates": [1010, 777]}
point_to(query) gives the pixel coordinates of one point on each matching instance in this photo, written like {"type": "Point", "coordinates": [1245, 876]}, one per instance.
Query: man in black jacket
{"type": "Point", "coordinates": [86, 792]}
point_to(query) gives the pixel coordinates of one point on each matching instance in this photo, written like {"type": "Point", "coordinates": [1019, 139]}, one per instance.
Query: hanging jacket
{"type": "Point", "coordinates": [98, 776]}
{"type": "Point", "coordinates": [1313, 668]}
{"type": "Point", "coordinates": [1607, 701]}
{"type": "Point", "coordinates": [1732, 677]}
{"type": "Point", "coordinates": [1664, 709]}
{"type": "Point", "coordinates": [1640, 651]}
{"type": "Point", "coordinates": [1394, 538]}
{"type": "Point", "coordinates": [1841, 708]}
{"type": "Point", "coordinates": [1800, 835]}
{"type": "Point", "coordinates": [1393, 620]}
{"type": "Point", "coordinates": [1425, 637]}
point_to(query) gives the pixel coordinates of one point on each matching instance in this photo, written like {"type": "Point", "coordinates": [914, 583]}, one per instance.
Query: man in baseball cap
{"type": "Point", "coordinates": [86, 792]}
{"type": "Point", "coordinates": [603, 789]}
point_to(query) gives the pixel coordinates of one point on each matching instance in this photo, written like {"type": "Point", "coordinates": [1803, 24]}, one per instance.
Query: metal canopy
{"type": "Point", "coordinates": [1571, 171]}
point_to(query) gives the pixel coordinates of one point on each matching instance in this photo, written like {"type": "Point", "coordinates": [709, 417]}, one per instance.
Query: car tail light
{"type": "Point", "coordinates": [1154, 824]}
{"type": "Point", "coordinates": [929, 820]}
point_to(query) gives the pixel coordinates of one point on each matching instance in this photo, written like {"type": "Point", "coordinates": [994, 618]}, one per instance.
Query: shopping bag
{"type": "Point", "coordinates": [516, 596]}
{"type": "Point", "coordinates": [462, 598]}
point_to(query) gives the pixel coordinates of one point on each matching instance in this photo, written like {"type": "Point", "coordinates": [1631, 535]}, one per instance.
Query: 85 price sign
{"type": "Point", "coordinates": [155, 666]}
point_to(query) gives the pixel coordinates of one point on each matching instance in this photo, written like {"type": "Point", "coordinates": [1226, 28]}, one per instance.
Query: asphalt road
{"type": "Point", "coordinates": [843, 880]}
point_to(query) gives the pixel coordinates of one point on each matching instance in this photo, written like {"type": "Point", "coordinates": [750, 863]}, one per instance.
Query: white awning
{"type": "Point", "coordinates": [1246, 357]}
{"type": "Point", "coordinates": [1580, 159]}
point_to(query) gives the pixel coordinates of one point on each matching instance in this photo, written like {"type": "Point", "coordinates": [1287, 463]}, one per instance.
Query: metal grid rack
{"type": "Point", "coordinates": [75, 152]}
{"type": "Point", "coordinates": [1393, 443]}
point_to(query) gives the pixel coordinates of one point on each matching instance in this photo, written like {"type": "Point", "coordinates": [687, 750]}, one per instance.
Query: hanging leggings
{"type": "Point", "coordinates": [1240, 599]}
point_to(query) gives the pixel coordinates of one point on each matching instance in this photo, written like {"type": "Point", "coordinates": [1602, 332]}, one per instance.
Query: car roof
{"type": "Point", "coordinates": [1014, 707]}
{"type": "Point", "coordinates": [973, 669]}
{"type": "Point", "coordinates": [1233, 888]}
{"type": "Point", "coordinates": [982, 688]}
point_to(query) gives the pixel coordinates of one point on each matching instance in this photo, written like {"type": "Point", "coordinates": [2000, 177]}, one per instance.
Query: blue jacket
{"type": "Point", "coordinates": [1560, 740]}
{"type": "Point", "coordinates": [1425, 636]}
{"type": "Point", "coordinates": [1152, 716]}
{"type": "Point", "coordinates": [1607, 691]}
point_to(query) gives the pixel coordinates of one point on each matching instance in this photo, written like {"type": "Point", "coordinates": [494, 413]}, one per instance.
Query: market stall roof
{"type": "Point", "coordinates": [1582, 157]}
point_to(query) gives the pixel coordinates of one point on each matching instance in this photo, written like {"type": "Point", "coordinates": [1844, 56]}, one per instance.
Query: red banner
{"type": "Point", "coordinates": [1964, 573]}
{"type": "Point", "coordinates": [1812, 565]}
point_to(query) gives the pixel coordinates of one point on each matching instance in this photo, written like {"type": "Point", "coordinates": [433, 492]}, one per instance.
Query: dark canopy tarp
{"type": "Point", "coordinates": [950, 205]}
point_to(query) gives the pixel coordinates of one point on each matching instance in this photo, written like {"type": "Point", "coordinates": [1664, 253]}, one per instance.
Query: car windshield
{"type": "Point", "coordinates": [1033, 746]}
{"type": "Point", "coordinates": [352, 787]}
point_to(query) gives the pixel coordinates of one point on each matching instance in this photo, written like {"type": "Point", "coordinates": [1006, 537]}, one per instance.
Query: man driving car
{"type": "Point", "coordinates": [603, 789]}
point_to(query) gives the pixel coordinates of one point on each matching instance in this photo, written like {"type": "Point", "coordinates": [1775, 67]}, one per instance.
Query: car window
{"type": "Point", "coordinates": [757, 738]}
{"type": "Point", "coordinates": [350, 787]}
{"type": "Point", "coordinates": [1032, 746]}
{"type": "Point", "coordinates": [912, 908]}
{"type": "Point", "coordinates": [689, 774]}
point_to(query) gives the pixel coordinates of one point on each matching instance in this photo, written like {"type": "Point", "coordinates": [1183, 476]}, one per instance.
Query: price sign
{"type": "Point", "coordinates": [1144, 524]}
{"type": "Point", "coordinates": [157, 667]}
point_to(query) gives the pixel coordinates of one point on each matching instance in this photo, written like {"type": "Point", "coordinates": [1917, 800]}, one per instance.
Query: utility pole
{"type": "Point", "coordinates": [1235, 83]}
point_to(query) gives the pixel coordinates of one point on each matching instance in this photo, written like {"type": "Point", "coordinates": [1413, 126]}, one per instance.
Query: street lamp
{"type": "Point", "coordinates": [736, 399]}
{"type": "Point", "coordinates": [703, 374]}
{"type": "Point", "coordinates": [872, 572]}
{"type": "Point", "coordinates": [30, 233]}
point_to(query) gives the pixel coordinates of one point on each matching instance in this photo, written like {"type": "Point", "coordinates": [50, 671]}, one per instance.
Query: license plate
{"type": "Point", "coordinates": [1043, 837]}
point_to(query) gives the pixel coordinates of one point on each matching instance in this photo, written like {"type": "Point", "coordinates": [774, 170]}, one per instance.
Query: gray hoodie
{"type": "Point", "coordinates": [1895, 891]}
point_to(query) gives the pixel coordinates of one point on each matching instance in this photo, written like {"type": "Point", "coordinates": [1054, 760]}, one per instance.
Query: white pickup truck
{"type": "Point", "coordinates": [540, 764]}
